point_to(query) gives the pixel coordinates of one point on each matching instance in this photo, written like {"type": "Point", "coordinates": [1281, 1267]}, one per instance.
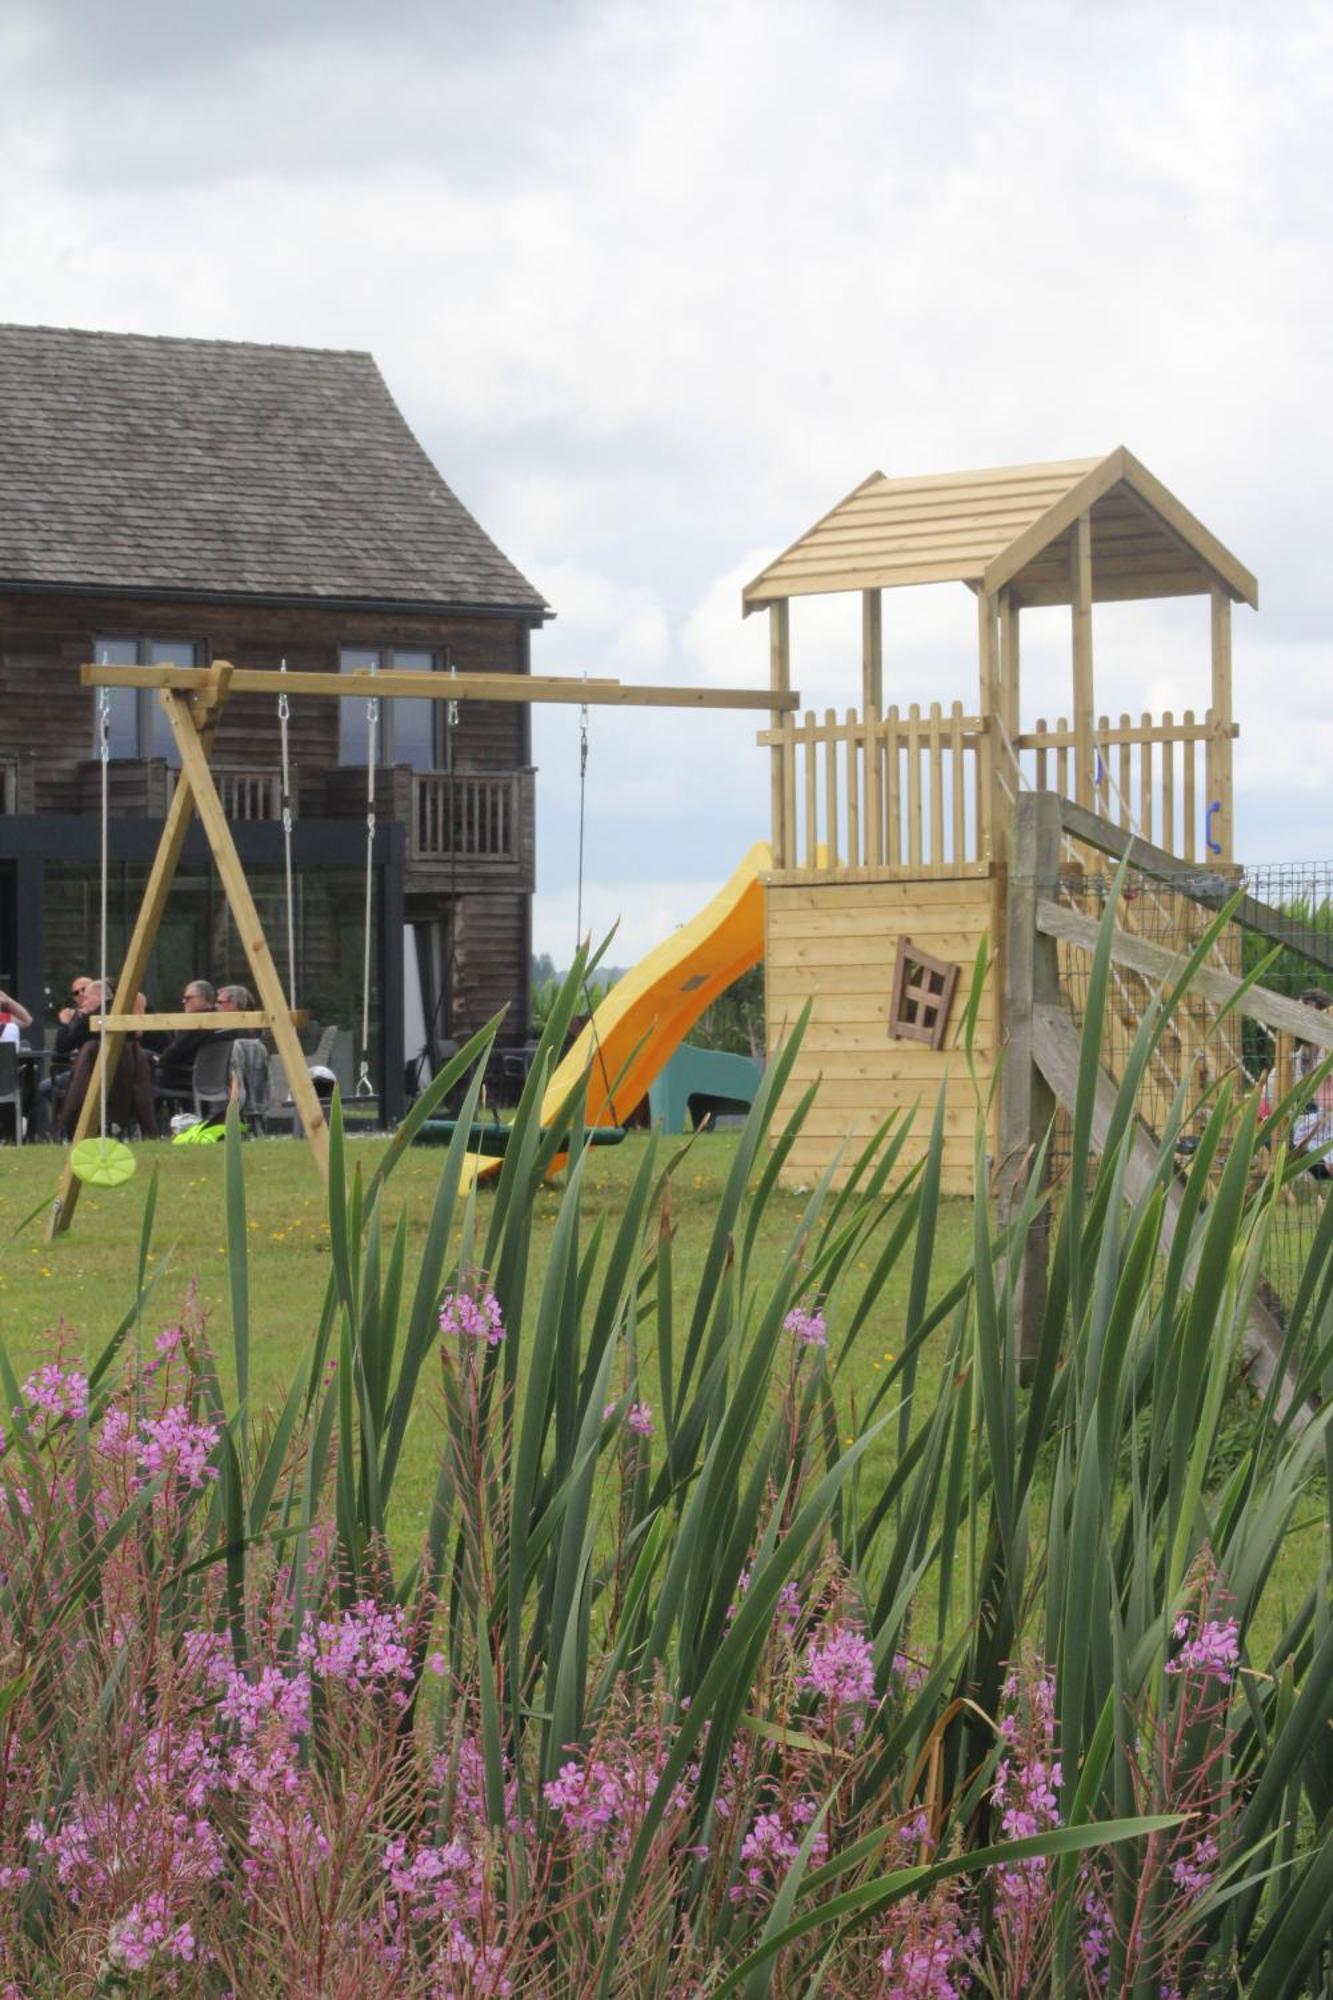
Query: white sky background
{"type": "Point", "coordinates": [657, 284]}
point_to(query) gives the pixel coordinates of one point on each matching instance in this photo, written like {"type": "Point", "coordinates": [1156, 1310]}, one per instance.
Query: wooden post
{"type": "Point", "coordinates": [208, 704]}
{"type": "Point", "coordinates": [194, 765]}
{"type": "Point", "coordinates": [996, 804]}
{"type": "Point", "coordinates": [1031, 978]}
{"type": "Point", "coordinates": [872, 650]}
{"type": "Point", "coordinates": [1080, 607]}
{"type": "Point", "coordinates": [1220, 760]}
{"type": "Point", "coordinates": [779, 677]}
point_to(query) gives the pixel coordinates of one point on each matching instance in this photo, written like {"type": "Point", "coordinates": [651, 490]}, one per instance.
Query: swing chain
{"type": "Point", "coordinates": [284, 717]}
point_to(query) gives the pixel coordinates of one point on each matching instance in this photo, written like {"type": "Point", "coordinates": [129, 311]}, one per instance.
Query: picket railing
{"type": "Point", "coordinates": [472, 818]}
{"type": "Point", "coordinates": [1163, 779]}
{"type": "Point", "coordinates": [892, 796]}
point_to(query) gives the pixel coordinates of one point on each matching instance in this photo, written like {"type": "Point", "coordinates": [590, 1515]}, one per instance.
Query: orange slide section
{"type": "Point", "coordinates": [648, 1013]}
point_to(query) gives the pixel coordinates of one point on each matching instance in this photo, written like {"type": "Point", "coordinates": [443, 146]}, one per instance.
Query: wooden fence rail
{"type": "Point", "coordinates": [1161, 779]}
{"type": "Point", "coordinates": [898, 795]}
{"type": "Point", "coordinates": [476, 818]}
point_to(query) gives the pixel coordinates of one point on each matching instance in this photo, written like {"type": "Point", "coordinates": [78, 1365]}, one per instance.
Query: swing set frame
{"type": "Point", "coordinates": [193, 699]}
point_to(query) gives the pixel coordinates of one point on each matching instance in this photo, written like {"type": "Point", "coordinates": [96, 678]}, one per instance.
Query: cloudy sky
{"type": "Point", "coordinates": [656, 284]}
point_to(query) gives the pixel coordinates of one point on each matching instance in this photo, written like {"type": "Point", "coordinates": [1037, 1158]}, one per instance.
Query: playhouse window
{"type": "Point", "coordinates": [923, 990]}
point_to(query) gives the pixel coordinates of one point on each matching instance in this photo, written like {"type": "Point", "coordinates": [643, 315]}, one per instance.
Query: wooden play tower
{"type": "Point", "coordinates": [892, 830]}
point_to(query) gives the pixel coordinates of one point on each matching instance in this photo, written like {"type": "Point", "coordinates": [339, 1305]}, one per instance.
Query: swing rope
{"type": "Point", "coordinates": [364, 1086]}
{"type": "Point", "coordinates": [578, 918]}
{"type": "Point", "coordinates": [284, 717]}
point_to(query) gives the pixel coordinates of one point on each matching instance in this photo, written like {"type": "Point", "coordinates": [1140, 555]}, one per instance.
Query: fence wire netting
{"type": "Point", "coordinates": [1198, 1051]}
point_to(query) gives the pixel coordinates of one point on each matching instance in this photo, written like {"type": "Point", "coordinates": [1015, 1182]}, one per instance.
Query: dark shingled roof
{"type": "Point", "coordinates": [217, 468]}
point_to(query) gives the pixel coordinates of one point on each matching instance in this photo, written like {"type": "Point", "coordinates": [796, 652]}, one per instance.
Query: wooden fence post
{"type": "Point", "coordinates": [1031, 979]}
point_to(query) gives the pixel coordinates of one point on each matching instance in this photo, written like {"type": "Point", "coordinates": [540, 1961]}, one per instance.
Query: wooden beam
{"type": "Point", "coordinates": [1080, 599]}
{"type": "Point", "coordinates": [180, 812]}
{"type": "Point", "coordinates": [1061, 514]}
{"type": "Point", "coordinates": [439, 687]}
{"type": "Point", "coordinates": [1057, 1051]}
{"type": "Point", "coordinates": [1219, 749]}
{"type": "Point", "coordinates": [194, 766]}
{"type": "Point", "coordinates": [779, 678]}
{"type": "Point", "coordinates": [1211, 887]}
{"type": "Point", "coordinates": [993, 763]}
{"type": "Point", "coordinates": [872, 650]}
{"type": "Point", "coordinates": [255, 1020]}
{"type": "Point", "coordinates": [1031, 972]}
{"type": "Point", "coordinates": [1154, 961]}
{"type": "Point", "coordinates": [1234, 575]}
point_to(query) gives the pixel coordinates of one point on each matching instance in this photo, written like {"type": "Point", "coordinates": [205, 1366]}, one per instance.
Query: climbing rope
{"type": "Point", "coordinates": [578, 908]}
{"type": "Point", "coordinates": [104, 1161]}
{"type": "Point", "coordinates": [284, 717]}
{"type": "Point", "coordinates": [364, 1086]}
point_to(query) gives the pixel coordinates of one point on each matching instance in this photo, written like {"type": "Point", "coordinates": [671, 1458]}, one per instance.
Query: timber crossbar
{"type": "Point", "coordinates": [1154, 961]}
{"type": "Point", "coordinates": [254, 1019]}
{"type": "Point", "coordinates": [1214, 888]}
{"type": "Point", "coordinates": [403, 684]}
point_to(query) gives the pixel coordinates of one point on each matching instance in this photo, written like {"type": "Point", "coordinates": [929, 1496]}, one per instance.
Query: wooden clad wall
{"type": "Point", "coordinates": [834, 945]}
{"type": "Point", "coordinates": [48, 716]}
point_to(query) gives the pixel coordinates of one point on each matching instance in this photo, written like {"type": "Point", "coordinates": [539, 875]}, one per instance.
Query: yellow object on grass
{"type": "Point", "coordinates": [102, 1162]}
{"type": "Point", "coordinates": [647, 1014]}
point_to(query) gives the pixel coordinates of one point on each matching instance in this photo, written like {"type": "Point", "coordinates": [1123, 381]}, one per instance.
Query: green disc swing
{"type": "Point", "coordinates": [103, 1161]}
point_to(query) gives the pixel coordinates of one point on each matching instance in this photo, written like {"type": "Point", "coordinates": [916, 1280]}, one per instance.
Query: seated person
{"type": "Point", "coordinates": [13, 1016]}
{"type": "Point", "coordinates": [174, 1076]}
{"type": "Point", "coordinates": [234, 1000]}
{"type": "Point", "coordinates": [129, 1098]}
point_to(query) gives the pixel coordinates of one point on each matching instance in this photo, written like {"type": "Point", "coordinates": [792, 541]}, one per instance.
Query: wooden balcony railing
{"type": "Point", "coordinates": [473, 817]}
{"type": "Point", "coordinates": [897, 796]}
{"type": "Point", "coordinates": [1165, 780]}
{"type": "Point", "coordinates": [247, 793]}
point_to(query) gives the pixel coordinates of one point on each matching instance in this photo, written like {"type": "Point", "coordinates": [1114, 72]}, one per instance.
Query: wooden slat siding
{"type": "Point", "coordinates": [958, 785]}
{"type": "Point", "coordinates": [874, 808]}
{"type": "Point", "coordinates": [811, 791]}
{"type": "Point", "coordinates": [835, 946]}
{"type": "Point", "coordinates": [1189, 847]}
{"type": "Point", "coordinates": [1167, 788]}
{"type": "Point", "coordinates": [831, 785]}
{"type": "Point", "coordinates": [854, 854]}
{"type": "Point", "coordinates": [935, 787]}
{"type": "Point", "coordinates": [1126, 802]}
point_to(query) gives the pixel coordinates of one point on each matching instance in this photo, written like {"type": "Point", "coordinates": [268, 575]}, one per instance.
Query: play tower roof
{"type": "Point", "coordinates": [1009, 527]}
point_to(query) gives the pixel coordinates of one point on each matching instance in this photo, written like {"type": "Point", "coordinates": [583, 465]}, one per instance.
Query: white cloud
{"type": "Point", "coordinates": [657, 286]}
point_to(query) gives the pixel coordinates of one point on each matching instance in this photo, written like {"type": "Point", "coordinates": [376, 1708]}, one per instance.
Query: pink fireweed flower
{"type": "Point", "coordinates": [807, 1327]}
{"type": "Point", "coordinates": [472, 1316]}
{"type": "Point", "coordinates": [840, 1667]}
{"type": "Point", "coordinates": [146, 1931]}
{"type": "Point", "coordinates": [640, 1420]}
{"type": "Point", "coordinates": [173, 1443]}
{"type": "Point", "coordinates": [365, 1647]}
{"type": "Point", "coordinates": [57, 1392]}
{"type": "Point", "coordinates": [1215, 1651]}
{"type": "Point", "coordinates": [770, 1847]}
{"type": "Point", "coordinates": [1193, 1873]}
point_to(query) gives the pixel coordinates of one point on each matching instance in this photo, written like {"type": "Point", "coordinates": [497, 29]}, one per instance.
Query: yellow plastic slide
{"type": "Point", "coordinates": [648, 1013]}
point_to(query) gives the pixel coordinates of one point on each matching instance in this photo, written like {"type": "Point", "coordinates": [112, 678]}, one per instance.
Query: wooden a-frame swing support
{"type": "Point", "coordinates": [192, 699]}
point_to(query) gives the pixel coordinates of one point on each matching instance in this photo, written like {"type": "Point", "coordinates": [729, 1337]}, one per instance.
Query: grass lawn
{"type": "Point", "coordinates": [85, 1279]}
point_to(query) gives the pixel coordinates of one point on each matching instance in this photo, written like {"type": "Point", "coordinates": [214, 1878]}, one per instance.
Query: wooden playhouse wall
{"type": "Point", "coordinates": [833, 944]}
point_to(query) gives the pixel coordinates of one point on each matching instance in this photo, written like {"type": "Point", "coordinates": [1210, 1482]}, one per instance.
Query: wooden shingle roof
{"type": "Point", "coordinates": [217, 468]}
{"type": "Point", "coordinates": [1009, 526]}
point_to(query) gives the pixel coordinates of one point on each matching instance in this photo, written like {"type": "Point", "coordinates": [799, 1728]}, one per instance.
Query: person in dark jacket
{"type": "Point", "coordinates": [175, 1066]}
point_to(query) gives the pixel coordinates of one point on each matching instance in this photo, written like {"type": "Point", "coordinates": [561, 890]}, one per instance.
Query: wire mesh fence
{"type": "Point", "coordinates": [1200, 1052]}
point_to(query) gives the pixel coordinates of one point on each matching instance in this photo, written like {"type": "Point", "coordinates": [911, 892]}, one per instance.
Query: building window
{"type": "Point", "coordinates": [408, 730]}
{"type": "Point", "coordinates": [137, 726]}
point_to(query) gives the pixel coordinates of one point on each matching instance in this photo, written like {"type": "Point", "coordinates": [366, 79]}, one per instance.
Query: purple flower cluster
{"type": "Point", "coordinates": [56, 1393]}
{"type": "Point", "coordinates": [1026, 1790]}
{"type": "Point", "coordinates": [367, 1647]}
{"type": "Point", "coordinates": [472, 1316]}
{"type": "Point", "coordinates": [770, 1847]}
{"type": "Point", "coordinates": [807, 1327]}
{"type": "Point", "coordinates": [840, 1668]}
{"type": "Point", "coordinates": [1214, 1650]}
